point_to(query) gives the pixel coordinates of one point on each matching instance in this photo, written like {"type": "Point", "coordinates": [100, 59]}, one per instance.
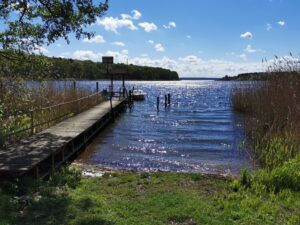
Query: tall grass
{"type": "Point", "coordinates": [272, 111]}
{"type": "Point", "coordinates": [21, 101]}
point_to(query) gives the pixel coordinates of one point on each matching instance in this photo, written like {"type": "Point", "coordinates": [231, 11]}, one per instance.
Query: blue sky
{"type": "Point", "coordinates": [207, 38]}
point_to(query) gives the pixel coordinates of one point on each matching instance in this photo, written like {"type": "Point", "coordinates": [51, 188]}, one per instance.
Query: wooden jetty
{"type": "Point", "coordinates": [41, 153]}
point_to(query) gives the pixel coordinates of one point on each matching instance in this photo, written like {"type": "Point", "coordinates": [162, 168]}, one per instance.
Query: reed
{"type": "Point", "coordinates": [272, 109]}
{"type": "Point", "coordinates": [24, 104]}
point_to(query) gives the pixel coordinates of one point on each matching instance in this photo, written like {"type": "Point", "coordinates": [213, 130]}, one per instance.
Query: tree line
{"type": "Point", "coordinates": [27, 66]}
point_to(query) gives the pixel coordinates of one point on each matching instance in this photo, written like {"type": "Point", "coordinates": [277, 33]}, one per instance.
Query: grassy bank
{"type": "Point", "coordinates": [160, 198]}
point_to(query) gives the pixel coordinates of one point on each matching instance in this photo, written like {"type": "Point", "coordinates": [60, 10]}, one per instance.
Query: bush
{"type": "Point", "coordinates": [286, 176]}
{"type": "Point", "coordinates": [278, 151]}
{"type": "Point", "coordinates": [280, 178]}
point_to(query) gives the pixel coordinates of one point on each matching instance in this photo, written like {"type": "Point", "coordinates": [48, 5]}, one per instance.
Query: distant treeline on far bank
{"type": "Point", "coordinates": [259, 76]}
{"type": "Point", "coordinates": [61, 68]}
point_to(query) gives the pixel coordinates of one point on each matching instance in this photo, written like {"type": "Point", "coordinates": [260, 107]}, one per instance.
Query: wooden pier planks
{"type": "Point", "coordinates": [39, 154]}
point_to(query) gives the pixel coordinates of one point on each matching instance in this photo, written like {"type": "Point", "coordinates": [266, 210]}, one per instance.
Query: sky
{"type": "Point", "coordinates": [196, 38]}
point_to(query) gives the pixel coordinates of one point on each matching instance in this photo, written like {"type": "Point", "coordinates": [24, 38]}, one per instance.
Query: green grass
{"type": "Point", "coordinates": [159, 198]}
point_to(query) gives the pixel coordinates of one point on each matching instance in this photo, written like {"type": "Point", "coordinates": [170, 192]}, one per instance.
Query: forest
{"type": "Point", "coordinates": [37, 66]}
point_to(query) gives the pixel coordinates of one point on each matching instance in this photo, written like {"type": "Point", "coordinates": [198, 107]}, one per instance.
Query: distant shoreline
{"type": "Point", "coordinates": [198, 78]}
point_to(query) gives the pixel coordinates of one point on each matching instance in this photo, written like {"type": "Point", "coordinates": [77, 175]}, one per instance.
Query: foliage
{"type": "Point", "coordinates": [18, 98]}
{"type": "Point", "coordinates": [284, 177]}
{"type": "Point", "coordinates": [32, 23]}
{"type": "Point", "coordinates": [271, 110]}
{"type": "Point", "coordinates": [159, 198]}
{"type": "Point", "coordinates": [278, 150]}
{"type": "Point", "coordinates": [41, 67]}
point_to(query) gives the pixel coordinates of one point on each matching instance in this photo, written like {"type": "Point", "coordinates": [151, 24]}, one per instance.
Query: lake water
{"type": "Point", "coordinates": [198, 132]}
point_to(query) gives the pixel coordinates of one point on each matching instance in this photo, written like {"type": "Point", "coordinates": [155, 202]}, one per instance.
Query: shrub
{"type": "Point", "coordinates": [286, 176]}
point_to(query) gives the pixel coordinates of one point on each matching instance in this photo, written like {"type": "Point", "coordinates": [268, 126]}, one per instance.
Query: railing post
{"type": "Point", "coordinates": [31, 122]}
{"type": "Point", "coordinates": [112, 109]}
{"type": "Point", "coordinates": [97, 91]}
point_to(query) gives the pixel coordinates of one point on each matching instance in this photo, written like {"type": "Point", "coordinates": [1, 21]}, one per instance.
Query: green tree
{"type": "Point", "coordinates": [32, 23]}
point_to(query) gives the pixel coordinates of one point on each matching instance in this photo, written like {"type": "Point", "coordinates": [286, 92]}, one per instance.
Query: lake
{"type": "Point", "coordinates": [198, 132]}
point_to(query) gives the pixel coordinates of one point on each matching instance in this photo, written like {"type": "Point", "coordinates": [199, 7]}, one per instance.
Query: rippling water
{"type": "Point", "coordinates": [198, 133]}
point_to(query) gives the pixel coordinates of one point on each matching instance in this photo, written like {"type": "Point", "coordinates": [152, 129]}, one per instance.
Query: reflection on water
{"type": "Point", "coordinates": [197, 133]}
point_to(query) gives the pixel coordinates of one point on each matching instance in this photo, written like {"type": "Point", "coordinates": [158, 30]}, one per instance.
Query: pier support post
{"type": "Point", "coordinates": [74, 85]}
{"type": "Point", "coordinates": [169, 99]}
{"type": "Point", "coordinates": [157, 103]}
{"type": "Point", "coordinates": [166, 101]}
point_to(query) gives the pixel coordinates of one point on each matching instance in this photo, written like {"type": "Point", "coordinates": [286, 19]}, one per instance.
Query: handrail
{"type": "Point", "coordinates": [31, 127]}
{"type": "Point", "coordinates": [31, 113]}
{"type": "Point", "coordinates": [69, 102]}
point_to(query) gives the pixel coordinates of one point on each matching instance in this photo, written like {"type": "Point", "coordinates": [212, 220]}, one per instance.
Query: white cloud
{"type": "Point", "coordinates": [247, 35]}
{"type": "Point", "coordinates": [125, 52]}
{"type": "Point", "coordinates": [151, 42]}
{"type": "Point", "coordinates": [249, 49]}
{"type": "Point", "coordinates": [190, 59]}
{"type": "Point", "coordinates": [113, 24]}
{"type": "Point", "coordinates": [186, 66]}
{"type": "Point", "coordinates": [136, 15]}
{"type": "Point", "coordinates": [192, 66]}
{"type": "Point", "coordinates": [269, 27]}
{"type": "Point", "coordinates": [170, 25]}
{"type": "Point", "coordinates": [159, 48]}
{"type": "Point", "coordinates": [148, 27]}
{"type": "Point", "coordinates": [96, 39]}
{"type": "Point", "coordinates": [39, 50]}
{"type": "Point", "coordinates": [281, 23]}
{"type": "Point", "coordinates": [188, 36]}
{"type": "Point", "coordinates": [243, 57]}
{"type": "Point", "coordinates": [118, 43]}
{"type": "Point", "coordinates": [86, 55]}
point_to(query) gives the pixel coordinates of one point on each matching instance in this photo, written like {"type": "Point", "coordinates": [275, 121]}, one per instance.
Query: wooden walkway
{"type": "Point", "coordinates": [39, 154]}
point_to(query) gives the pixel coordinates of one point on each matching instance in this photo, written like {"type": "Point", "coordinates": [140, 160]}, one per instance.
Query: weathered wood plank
{"type": "Point", "coordinates": [22, 157]}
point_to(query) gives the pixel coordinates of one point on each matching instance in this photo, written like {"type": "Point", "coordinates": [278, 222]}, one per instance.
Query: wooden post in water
{"type": "Point", "coordinates": [74, 85]}
{"type": "Point", "coordinates": [97, 87]}
{"type": "Point", "coordinates": [130, 97]}
{"type": "Point", "coordinates": [157, 103]}
{"type": "Point", "coordinates": [169, 99]}
{"type": "Point", "coordinates": [166, 101]}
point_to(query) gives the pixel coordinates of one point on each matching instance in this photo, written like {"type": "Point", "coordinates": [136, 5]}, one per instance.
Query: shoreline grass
{"type": "Point", "coordinates": [26, 103]}
{"type": "Point", "coordinates": [144, 198]}
{"type": "Point", "coordinates": [271, 110]}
